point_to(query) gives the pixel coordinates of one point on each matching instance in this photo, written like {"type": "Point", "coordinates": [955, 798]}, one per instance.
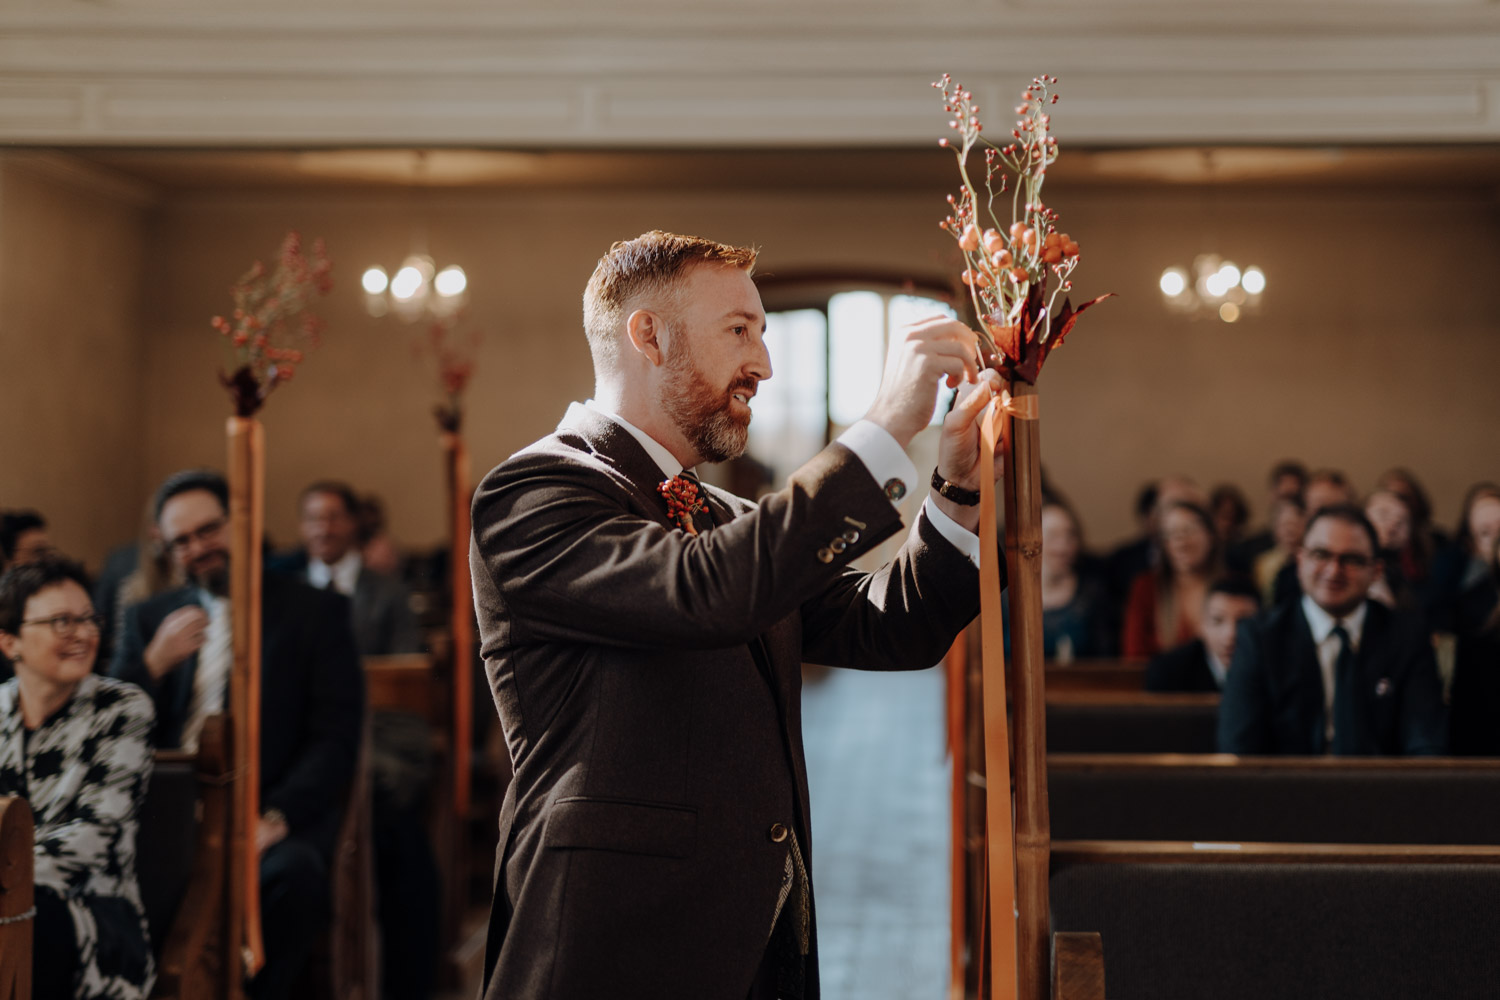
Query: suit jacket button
{"type": "Point", "coordinates": [838, 545]}
{"type": "Point", "coordinates": [778, 833]}
{"type": "Point", "coordinates": [825, 555]}
{"type": "Point", "coordinates": [851, 536]}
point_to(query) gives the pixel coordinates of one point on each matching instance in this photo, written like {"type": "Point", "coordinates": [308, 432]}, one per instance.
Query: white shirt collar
{"type": "Point", "coordinates": [1321, 622]}
{"type": "Point", "coordinates": [663, 458]}
{"type": "Point", "coordinates": [344, 573]}
{"type": "Point", "coordinates": [1216, 666]}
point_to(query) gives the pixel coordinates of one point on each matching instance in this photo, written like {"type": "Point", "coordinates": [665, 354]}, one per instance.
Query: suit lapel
{"type": "Point", "coordinates": [617, 448]}
{"type": "Point", "coordinates": [1308, 681]}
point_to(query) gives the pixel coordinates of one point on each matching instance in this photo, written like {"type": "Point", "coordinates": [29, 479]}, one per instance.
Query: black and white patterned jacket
{"type": "Point", "coordinates": [85, 772]}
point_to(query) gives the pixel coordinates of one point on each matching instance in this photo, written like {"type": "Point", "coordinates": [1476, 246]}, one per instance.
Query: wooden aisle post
{"type": "Point", "coordinates": [998, 816]}
{"type": "Point", "coordinates": [1023, 548]}
{"type": "Point", "coordinates": [461, 622]}
{"type": "Point", "coordinates": [247, 475]}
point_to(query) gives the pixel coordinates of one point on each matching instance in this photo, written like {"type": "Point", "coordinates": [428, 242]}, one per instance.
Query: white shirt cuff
{"type": "Point", "coordinates": [883, 457]}
{"type": "Point", "coordinates": [960, 537]}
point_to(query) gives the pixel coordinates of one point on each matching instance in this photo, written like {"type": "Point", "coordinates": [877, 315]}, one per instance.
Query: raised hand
{"type": "Point", "coordinates": [179, 636]}
{"type": "Point", "coordinates": [920, 355]}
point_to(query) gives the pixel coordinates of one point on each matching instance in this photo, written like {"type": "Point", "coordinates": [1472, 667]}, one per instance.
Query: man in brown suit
{"type": "Point", "coordinates": [645, 658]}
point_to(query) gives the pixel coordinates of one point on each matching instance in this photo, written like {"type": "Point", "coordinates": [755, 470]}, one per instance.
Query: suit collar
{"type": "Point", "coordinates": [608, 439]}
{"type": "Point", "coordinates": [1320, 623]}
{"type": "Point", "coordinates": [664, 459]}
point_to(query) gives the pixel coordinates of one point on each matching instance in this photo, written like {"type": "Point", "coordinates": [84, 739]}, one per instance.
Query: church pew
{"type": "Point", "coordinates": [17, 899]}
{"type": "Point", "coordinates": [1281, 799]}
{"type": "Point", "coordinates": [1131, 722]}
{"type": "Point", "coordinates": [1096, 675]}
{"type": "Point", "coordinates": [1248, 921]}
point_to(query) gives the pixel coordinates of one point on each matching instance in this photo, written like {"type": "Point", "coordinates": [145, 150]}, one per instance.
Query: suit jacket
{"type": "Point", "coordinates": [380, 608]}
{"type": "Point", "coordinates": [1182, 668]}
{"type": "Point", "coordinates": [312, 698]}
{"type": "Point", "coordinates": [649, 684]}
{"type": "Point", "coordinates": [1273, 697]}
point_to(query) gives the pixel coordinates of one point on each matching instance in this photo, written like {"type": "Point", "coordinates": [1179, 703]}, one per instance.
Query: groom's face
{"type": "Point", "coordinates": [715, 357]}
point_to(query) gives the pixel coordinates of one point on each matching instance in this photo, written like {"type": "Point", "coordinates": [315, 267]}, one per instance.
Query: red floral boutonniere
{"type": "Point", "coordinates": [683, 501]}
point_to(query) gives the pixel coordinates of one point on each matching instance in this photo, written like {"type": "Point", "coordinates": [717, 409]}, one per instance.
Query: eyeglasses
{"type": "Point", "coordinates": [201, 533]}
{"type": "Point", "coordinates": [66, 626]}
{"type": "Point", "coordinates": [1346, 560]}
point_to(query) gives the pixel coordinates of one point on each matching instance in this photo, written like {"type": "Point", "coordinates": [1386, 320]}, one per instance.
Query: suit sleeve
{"type": "Point", "coordinates": [562, 546]}
{"type": "Point", "coordinates": [319, 779]}
{"type": "Point", "coordinates": [1244, 710]}
{"type": "Point", "coordinates": [901, 617]}
{"type": "Point", "coordinates": [1424, 717]}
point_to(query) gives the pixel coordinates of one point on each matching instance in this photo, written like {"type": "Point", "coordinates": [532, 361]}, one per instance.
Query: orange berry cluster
{"type": "Point", "coordinates": [683, 501]}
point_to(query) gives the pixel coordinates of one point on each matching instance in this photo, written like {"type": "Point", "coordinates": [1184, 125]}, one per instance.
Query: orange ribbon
{"type": "Point", "coordinates": [999, 817]}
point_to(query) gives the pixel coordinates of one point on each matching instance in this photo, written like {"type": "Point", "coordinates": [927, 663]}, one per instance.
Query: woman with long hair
{"type": "Point", "coordinates": [1166, 601]}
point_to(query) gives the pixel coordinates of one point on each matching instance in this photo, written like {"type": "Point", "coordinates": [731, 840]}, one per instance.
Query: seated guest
{"type": "Point", "coordinates": [376, 546]}
{"type": "Point", "coordinates": [1334, 672]}
{"type": "Point", "coordinates": [1130, 559]}
{"type": "Point", "coordinates": [178, 647]}
{"type": "Point", "coordinates": [77, 747]}
{"type": "Point", "coordinates": [1475, 695]}
{"type": "Point", "coordinates": [1461, 565]}
{"type": "Point", "coordinates": [23, 537]}
{"type": "Point", "coordinates": [380, 603]}
{"type": "Point", "coordinates": [1405, 485]}
{"type": "Point", "coordinates": [1231, 514]}
{"type": "Point", "coordinates": [1327, 487]}
{"type": "Point", "coordinates": [1288, 520]}
{"type": "Point", "coordinates": [1201, 665]}
{"type": "Point", "coordinates": [1076, 619]}
{"type": "Point", "coordinates": [1166, 602]}
{"type": "Point", "coordinates": [409, 903]}
{"type": "Point", "coordinates": [1392, 519]}
{"type": "Point", "coordinates": [132, 572]}
{"type": "Point", "coordinates": [1287, 480]}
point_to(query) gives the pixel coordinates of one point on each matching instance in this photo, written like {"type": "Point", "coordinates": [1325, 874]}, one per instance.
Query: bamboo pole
{"type": "Point", "coordinates": [461, 622]}
{"type": "Point", "coordinates": [247, 475]}
{"type": "Point", "coordinates": [1023, 548]}
{"type": "Point", "coordinates": [999, 831]}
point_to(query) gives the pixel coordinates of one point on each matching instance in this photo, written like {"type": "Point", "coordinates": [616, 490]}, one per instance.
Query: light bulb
{"type": "Point", "coordinates": [1253, 280]}
{"type": "Point", "coordinates": [374, 280]}
{"type": "Point", "coordinates": [451, 281]}
{"type": "Point", "coordinates": [1173, 281]}
{"type": "Point", "coordinates": [406, 283]}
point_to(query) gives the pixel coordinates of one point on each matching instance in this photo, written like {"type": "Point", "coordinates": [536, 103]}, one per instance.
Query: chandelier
{"type": "Point", "coordinates": [418, 290]}
{"type": "Point", "coordinates": [1213, 286]}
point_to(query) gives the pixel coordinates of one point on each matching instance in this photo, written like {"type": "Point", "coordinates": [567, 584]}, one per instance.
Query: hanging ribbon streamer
{"type": "Point", "coordinates": [1000, 830]}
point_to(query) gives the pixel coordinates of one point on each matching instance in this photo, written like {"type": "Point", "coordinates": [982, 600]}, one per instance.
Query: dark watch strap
{"type": "Point", "coordinates": [950, 491]}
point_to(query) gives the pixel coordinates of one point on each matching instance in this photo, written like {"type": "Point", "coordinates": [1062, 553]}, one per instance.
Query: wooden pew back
{"type": "Point", "coordinates": [1131, 722]}
{"type": "Point", "coordinates": [1285, 799]}
{"type": "Point", "coordinates": [1252, 921]}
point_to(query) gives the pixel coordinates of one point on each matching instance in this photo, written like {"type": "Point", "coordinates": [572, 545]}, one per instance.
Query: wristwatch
{"type": "Point", "coordinates": [953, 492]}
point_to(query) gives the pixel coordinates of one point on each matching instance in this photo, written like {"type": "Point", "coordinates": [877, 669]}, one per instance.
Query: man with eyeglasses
{"type": "Point", "coordinates": [1333, 671]}
{"type": "Point", "coordinates": [178, 646]}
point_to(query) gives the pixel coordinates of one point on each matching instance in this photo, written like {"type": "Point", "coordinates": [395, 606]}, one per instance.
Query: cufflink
{"type": "Point", "coordinates": [895, 489]}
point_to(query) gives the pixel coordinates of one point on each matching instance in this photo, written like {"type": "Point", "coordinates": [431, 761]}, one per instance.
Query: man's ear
{"type": "Point", "coordinates": [645, 330]}
{"type": "Point", "coordinates": [10, 644]}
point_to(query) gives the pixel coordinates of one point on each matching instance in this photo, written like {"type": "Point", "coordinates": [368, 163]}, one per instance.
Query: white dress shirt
{"type": "Point", "coordinates": [344, 573]}
{"type": "Point", "coordinates": [872, 444]}
{"type": "Point", "coordinates": [215, 661]}
{"type": "Point", "coordinates": [1322, 624]}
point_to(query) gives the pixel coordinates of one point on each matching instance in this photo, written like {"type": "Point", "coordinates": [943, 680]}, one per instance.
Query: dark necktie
{"type": "Point", "coordinates": [1343, 693]}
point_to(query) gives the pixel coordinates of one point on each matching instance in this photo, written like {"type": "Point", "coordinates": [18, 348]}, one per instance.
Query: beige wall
{"type": "Point", "coordinates": [1361, 357]}
{"type": "Point", "coordinates": [72, 265]}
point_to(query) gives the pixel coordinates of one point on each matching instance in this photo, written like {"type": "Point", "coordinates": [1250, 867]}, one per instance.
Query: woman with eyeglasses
{"type": "Point", "coordinates": [77, 747]}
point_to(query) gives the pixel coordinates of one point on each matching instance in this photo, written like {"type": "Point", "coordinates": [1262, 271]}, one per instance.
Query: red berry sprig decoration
{"type": "Point", "coordinates": [1009, 266]}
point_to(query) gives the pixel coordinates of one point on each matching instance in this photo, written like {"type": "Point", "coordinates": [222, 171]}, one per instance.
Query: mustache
{"type": "Point", "coordinates": [746, 385]}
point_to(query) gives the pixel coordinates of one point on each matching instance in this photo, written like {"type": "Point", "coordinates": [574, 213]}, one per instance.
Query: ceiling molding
{"type": "Point", "coordinates": [838, 72]}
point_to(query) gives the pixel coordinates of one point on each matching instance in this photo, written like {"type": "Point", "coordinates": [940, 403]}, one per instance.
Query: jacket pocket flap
{"type": "Point", "coordinates": [630, 827]}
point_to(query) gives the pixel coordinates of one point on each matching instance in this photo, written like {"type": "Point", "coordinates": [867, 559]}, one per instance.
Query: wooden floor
{"type": "Point", "coordinates": [875, 760]}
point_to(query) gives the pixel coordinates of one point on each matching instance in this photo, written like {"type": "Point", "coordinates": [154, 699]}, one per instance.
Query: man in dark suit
{"type": "Point", "coordinates": [644, 635]}
{"type": "Point", "coordinates": [1203, 664]}
{"type": "Point", "coordinates": [178, 647]}
{"type": "Point", "coordinates": [1334, 672]}
{"type": "Point", "coordinates": [330, 560]}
